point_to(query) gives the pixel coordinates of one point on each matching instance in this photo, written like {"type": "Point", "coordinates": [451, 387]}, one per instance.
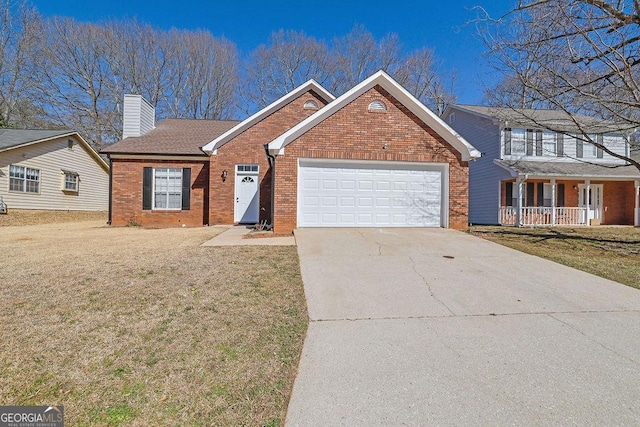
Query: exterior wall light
{"type": "Point", "coordinates": [224, 175]}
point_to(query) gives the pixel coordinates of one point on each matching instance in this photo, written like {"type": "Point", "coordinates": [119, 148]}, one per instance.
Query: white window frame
{"type": "Point", "coordinates": [518, 141]}
{"type": "Point", "coordinates": [71, 178]}
{"type": "Point", "coordinates": [589, 150]}
{"type": "Point", "coordinates": [247, 168]}
{"type": "Point", "coordinates": [549, 143]}
{"type": "Point", "coordinates": [166, 193]}
{"type": "Point", "coordinates": [25, 179]}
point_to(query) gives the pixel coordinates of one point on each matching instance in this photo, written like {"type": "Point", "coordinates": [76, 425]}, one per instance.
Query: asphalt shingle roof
{"type": "Point", "coordinates": [173, 136]}
{"type": "Point", "coordinates": [10, 138]}
{"type": "Point", "coordinates": [549, 119]}
{"type": "Point", "coordinates": [572, 169]}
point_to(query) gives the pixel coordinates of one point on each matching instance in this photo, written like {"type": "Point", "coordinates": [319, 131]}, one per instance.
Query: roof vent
{"type": "Point", "coordinates": [377, 105]}
{"type": "Point", "coordinates": [310, 105]}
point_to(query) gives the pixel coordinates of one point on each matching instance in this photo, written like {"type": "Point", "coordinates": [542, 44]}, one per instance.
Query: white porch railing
{"type": "Point", "coordinates": [532, 216]}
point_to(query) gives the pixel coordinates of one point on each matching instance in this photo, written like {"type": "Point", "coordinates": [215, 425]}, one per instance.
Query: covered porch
{"type": "Point", "coordinates": [561, 200]}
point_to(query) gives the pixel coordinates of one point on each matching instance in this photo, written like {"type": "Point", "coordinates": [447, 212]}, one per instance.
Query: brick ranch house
{"type": "Point", "coordinates": [374, 157]}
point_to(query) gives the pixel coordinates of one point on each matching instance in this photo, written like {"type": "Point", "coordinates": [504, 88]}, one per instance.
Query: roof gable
{"type": "Point", "coordinates": [212, 146]}
{"type": "Point", "coordinates": [381, 78]}
{"type": "Point", "coordinates": [16, 138]}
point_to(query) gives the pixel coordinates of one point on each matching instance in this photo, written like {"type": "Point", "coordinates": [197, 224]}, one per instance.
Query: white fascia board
{"type": "Point", "coordinates": [212, 147]}
{"type": "Point", "coordinates": [383, 79]}
{"type": "Point", "coordinates": [512, 172]}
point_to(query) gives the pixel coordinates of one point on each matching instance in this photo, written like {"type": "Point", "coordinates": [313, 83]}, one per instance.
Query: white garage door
{"type": "Point", "coordinates": [365, 194]}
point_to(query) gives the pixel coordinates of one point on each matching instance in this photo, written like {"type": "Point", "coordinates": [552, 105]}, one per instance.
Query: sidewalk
{"type": "Point", "coordinates": [234, 237]}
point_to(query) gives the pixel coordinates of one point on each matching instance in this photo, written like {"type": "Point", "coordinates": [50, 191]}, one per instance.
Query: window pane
{"type": "Point", "coordinates": [518, 141]}
{"type": "Point", "coordinates": [548, 143]}
{"type": "Point", "coordinates": [168, 189]}
{"type": "Point", "coordinates": [16, 184]}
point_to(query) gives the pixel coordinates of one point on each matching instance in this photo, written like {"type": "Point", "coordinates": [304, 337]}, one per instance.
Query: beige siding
{"type": "Point", "coordinates": [50, 158]}
{"type": "Point", "coordinates": [138, 117]}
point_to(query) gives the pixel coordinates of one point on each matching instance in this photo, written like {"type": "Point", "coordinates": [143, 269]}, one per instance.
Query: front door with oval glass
{"type": "Point", "coordinates": [247, 196]}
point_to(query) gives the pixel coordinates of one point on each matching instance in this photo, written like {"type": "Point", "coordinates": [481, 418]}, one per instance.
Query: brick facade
{"type": "Point", "coordinates": [248, 148]}
{"type": "Point", "coordinates": [355, 133]}
{"type": "Point", "coordinates": [126, 194]}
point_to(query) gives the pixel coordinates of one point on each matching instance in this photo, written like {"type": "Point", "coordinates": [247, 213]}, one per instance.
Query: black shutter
{"type": "Point", "coordinates": [509, 193]}
{"type": "Point", "coordinates": [147, 179]}
{"type": "Point", "coordinates": [530, 194]}
{"type": "Point", "coordinates": [560, 145]}
{"type": "Point", "coordinates": [538, 143]}
{"type": "Point", "coordinates": [529, 142]}
{"type": "Point", "coordinates": [186, 189]}
{"type": "Point", "coordinates": [540, 194]}
{"type": "Point", "coordinates": [579, 147]}
{"type": "Point", "coordinates": [560, 195]}
{"type": "Point", "coordinates": [600, 152]}
{"type": "Point", "coordinates": [507, 141]}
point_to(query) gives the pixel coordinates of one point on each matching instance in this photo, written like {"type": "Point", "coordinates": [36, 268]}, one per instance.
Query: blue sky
{"type": "Point", "coordinates": [438, 24]}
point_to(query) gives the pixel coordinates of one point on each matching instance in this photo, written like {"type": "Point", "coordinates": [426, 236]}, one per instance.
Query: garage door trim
{"type": "Point", "coordinates": [396, 165]}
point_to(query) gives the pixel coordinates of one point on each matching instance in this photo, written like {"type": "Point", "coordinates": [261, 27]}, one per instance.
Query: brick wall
{"type": "Point", "coordinates": [127, 195]}
{"type": "Point", "coordinates": [355, 133]}
{"type": "Point", "coordinates": [248, 148]}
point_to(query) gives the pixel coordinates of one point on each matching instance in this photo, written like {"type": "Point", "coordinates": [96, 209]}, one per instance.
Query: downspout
{"type": "Point", "coordinates": [272, 164]}
{"type": "Point", "coordinates": [110, 187]}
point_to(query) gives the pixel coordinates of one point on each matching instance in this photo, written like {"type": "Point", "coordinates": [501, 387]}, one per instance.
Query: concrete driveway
{"type": "Point", "coordinates": [435, 327]}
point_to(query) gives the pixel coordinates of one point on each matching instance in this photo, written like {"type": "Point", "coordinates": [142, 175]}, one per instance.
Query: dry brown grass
{"type": "Point", "coordinates": [129, 326]}
{"type": "Point", "coordinates": [609, 252]}
{"type": "Point", "coordinates": [17, 217]}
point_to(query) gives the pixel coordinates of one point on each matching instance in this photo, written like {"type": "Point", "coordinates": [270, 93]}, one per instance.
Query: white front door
{"type": "Point", "coordinates": [594, 210]}
{"type": "Point", "coordinates": [247, 202]}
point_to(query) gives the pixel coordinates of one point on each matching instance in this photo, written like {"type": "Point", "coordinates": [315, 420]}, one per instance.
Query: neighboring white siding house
{"type": "Point", "coordinates": [51, 170]}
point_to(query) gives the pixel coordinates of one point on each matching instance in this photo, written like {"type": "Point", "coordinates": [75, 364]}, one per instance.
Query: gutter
{"type": "Point", "coordinates": [272, 164]}
{"type": "Point", "coordinates": [110, 188]}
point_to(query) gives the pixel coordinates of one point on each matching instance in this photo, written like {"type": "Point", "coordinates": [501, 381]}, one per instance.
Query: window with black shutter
{"type": "Point", "coordinates": [538, 143]}
{"type": "Point", "coordinates": [579, 148]}
{"type": "Point", "coordinates": [147, 179]}
{"type": "Point", "coordinates": [560, 146]}
{"type": "Point", "coordinates": [530, 194]}
{"type": "Point", "coordinates": [186, 189]}
{"type": "Point", "coordinates": [600, 151]}
{"type": "Point", "coordinates": [507, 141]}
{"type": "Point", "coordinates": [560, 195]}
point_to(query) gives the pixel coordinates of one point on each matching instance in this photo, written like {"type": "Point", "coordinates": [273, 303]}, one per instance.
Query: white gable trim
{"type": "Point", "coordinates": [211, 147]}
{"type": "Point", "coordinates": [381, 78]}
{"type": "Point", "coordinates": [92, 152]}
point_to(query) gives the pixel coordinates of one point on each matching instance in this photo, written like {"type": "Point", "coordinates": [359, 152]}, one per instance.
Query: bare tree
{"type": "Point", "coordinates": [72, 75]}
{"type": "Point", "coordinates": [576, 56]}
{"type": "Point", "coordinates": [358, 55]}
{"type": "Point", "coordinates": [201, 75]}
{"type": "Point", "coordinates": [420, 75]}
{"type": "Point", "coordinates": [289, 59]}
{"type": "Point", "coordinates": [20, 26]}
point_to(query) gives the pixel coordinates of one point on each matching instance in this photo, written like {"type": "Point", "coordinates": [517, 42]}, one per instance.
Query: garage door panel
{"type": "Point", "coordinates": [365, 195]}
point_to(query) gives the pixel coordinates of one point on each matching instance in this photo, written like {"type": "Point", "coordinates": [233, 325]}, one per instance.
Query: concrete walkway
{"type": "Point", "coordinates": [234, 236]}
{"type": "Point", "coordinates": [435, 327]}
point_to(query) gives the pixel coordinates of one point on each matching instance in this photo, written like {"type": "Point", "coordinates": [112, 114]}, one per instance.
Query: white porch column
{"type": "Point", "coordinates": [553, 201]}
{"type": "Point", "coordinates": [519, 201]}
{"type": "Point", "coordinates": [637, 205]}
{"type": "Point", "coordinates": [587, 200]}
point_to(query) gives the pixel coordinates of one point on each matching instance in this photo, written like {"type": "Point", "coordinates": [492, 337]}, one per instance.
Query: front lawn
{"type": "Point", "coordinates": [128, 326]}
{"type": "Point", "coordinates": [609, 252]}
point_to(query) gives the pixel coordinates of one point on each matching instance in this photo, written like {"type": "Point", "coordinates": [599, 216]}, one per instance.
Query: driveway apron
{"type": "Point", "coordinates": [436, 327]}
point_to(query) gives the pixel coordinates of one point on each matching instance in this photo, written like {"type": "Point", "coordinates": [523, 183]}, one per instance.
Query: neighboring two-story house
{"type": "Point", "coordinates": [530, 175]}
